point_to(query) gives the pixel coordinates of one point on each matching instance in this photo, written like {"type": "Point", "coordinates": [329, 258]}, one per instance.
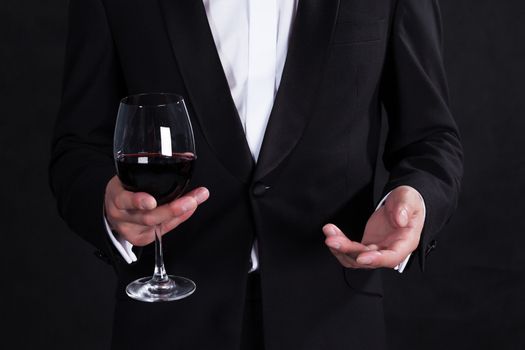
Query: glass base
{"type": "Point", "coordinates": [148, 290]}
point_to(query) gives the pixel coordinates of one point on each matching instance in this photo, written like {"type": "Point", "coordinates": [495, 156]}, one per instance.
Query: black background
{"type": "Point", "coordinates": [56, 294]}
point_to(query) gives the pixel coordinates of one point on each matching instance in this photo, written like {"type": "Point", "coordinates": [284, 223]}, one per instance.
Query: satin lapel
{"type": "Point", "coordinates": [209, 94]}
{"type": "Point", "coordinates": [309, 42]}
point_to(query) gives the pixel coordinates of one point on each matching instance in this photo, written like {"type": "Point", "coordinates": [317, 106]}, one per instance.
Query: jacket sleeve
{"type": "Point", "coordinates": [423, 148]}
{"type": "Point", "coordinates": [81, 158]}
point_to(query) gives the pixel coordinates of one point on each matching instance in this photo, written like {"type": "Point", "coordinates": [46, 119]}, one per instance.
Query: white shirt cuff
{"type": "Point", "coordinates": [123, 246]}
{"type": "Point", "coordinates": [401, 267]}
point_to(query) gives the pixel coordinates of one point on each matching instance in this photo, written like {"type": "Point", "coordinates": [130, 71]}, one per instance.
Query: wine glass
{"type": "Point", "coordinates": [154, 152]}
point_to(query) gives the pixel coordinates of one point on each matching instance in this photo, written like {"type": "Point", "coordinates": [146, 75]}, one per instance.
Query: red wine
{"type": "Point", "coordinates": [165, 178]}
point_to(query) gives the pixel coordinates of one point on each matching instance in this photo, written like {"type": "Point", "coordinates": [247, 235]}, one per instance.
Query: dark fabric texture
{"type": "Point", "coordinates": [347, 59]}
{"type": "Point", "coordinates": [252, 337]}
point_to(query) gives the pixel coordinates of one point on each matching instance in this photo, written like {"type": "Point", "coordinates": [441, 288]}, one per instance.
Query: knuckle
{"type": "Point", "coordinates": [347, 264]}
{"type": "Point", "coordinates": [118, 202]}
{"type": "Point", "coordinates": [176, 207]}
{"type": "Point", "coordinates": [183, 206]}
{"type": "Point", "coordinates": [176, 222]}
{"type": "Point", "coordinates": [391, 264]}
{"type": "Point", "coordinates": [145, 238]}
{"type": "Point", "coordinates": [138, 240]}
{"type": "Point", "coordinates": [112, 212]}
{"type": "Point", "coordinates": [345, 260]}
{"type": "Point", "coordinates": [149, 220]}
{"type": "Point", "coordinates": [135, 202]}
{"type": "Point", "coordinates": [186, 215]}
{"type": "Point", "coordinates": [133, 240]}
{"type": "Point", "coordinates": [122, 228]}
{"type": "Point", "coordinates": [192, 203]}
{"type": "Point", "coordinates": [166, 227]}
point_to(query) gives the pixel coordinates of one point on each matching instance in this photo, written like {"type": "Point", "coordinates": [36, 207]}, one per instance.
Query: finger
{"type": "Point", "coordinates": [180, 207]}
{"type": "Point", "coordinates": [331, 230]}
{"type": "Point", "coordinates": [116, 216]}
{"type": "Point", "coordinates": [387, 257]}
{"type": "Point", "coordinates": [401, 215]}
{"type": "Point", "coordinates": [338, 241]}
{"type": "Point", "coordinates": [380, 258]}
{"type": "Point", "coordinates": [166, 212]}
{"type": "Point", "coordinates": [167, 226]}
{"type": "Point", "coordinates": [408, 215]}
{"type": "Point", "coordinates": [172, 223]}
{"type": "Point", "coordinates": [200, 194]}
{"type": "Point", "coordinates": [144, 237]}
{"type": "Point", "coordinates": [404, 205]}
{"type": "Point", "coordinates": [126, 200]}
{"type": "Point", "coordinates": [333, 236]}
{"type": "Point", "coordinates": [345, 260]}
{"type": "Point", "coordinates": [398, 210]}
{"type": "Point", "coordinates": [345, 246]}
{"type": "Point", "coordinates": [346, 251]}
{"type": "Point", "coordinates": [137, 235]}
{"type": "Point", "coordinates": [136, 226]}
{"type": "Point", "coordinates": [113, 194]}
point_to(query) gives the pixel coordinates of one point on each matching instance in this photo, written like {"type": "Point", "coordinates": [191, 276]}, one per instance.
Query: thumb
{"type": "Point", "coordinates": [400, 216]}
{"type": "Point", "coordinates": [403, 205]}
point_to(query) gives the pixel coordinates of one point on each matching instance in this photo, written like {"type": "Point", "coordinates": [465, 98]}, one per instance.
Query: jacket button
{"type": "Point", "coordinates": [260, 189]}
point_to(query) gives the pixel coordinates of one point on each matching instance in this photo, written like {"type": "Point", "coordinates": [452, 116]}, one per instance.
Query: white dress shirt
{"type": "Point", "coordinates": [251, 37]}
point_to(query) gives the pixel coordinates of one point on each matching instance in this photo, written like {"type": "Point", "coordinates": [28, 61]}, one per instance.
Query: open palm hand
{"type": "Point", "coordinates": [391, 234]}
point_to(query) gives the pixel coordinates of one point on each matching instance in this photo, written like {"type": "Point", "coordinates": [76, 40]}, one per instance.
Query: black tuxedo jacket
{"type": "Point", "coordinates": [346, 59]}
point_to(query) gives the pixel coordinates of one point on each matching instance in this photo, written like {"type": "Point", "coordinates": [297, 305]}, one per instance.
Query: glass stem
{"type": "Point", "coordinates": [159, 275]}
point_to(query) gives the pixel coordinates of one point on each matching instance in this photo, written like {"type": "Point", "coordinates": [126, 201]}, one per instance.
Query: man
{"type": "Point", "coordinates": [285, 98]}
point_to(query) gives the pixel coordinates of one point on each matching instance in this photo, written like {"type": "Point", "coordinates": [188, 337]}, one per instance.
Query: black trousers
{"type": "Point", "coordinates": [252, 331]}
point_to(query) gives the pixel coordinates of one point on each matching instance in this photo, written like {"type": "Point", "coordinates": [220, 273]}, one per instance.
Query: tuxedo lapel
{"type": "Point", "coordinates": [208, 90]}
{"type": "Point", "coordinates": [309, 42]}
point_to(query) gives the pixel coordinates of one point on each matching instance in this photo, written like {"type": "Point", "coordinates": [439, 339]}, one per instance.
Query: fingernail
{"type": "Point", "coordinates": [147, 204]}
{"type": "Point", "coordinates": [202, 195]}
{"type": "Point", "coordinates": [365, 260]}
{"type": "Point", "coordinates": [331, 231]}
{"type": "Point", "coordinates": [334, 245]}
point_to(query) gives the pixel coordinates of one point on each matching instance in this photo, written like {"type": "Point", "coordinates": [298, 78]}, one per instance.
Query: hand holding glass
{"type": "Point", "coordinates": [154, 152]}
